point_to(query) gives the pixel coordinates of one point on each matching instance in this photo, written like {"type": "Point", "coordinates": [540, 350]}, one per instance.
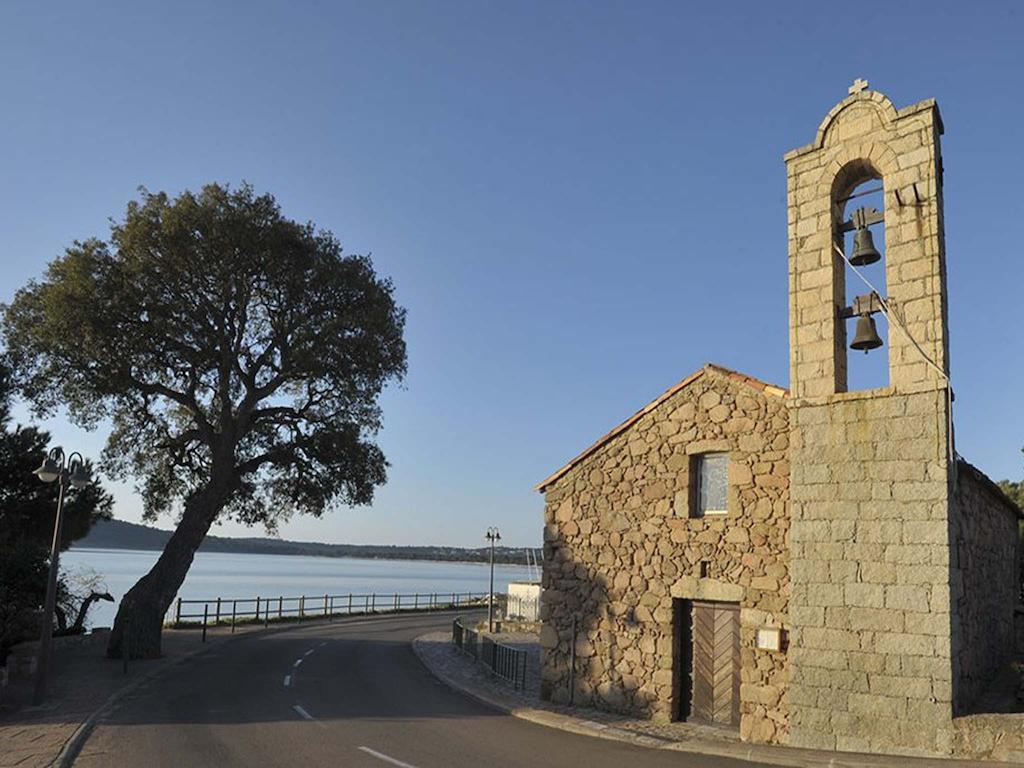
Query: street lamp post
{"type": "Point", "coordinates": [71, 472]}
{"type": "Point", "coordinates": [492, 536]}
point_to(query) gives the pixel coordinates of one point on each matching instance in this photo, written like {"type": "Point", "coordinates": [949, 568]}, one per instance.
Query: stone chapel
{"type": "Point", "coordinates": [813, 566]}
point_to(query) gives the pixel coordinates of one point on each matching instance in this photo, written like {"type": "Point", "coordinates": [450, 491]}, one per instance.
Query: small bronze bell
{"type": "Point", "coordinates": [864, 251]}
{"type": "Point", "coordinates": [866, 337]}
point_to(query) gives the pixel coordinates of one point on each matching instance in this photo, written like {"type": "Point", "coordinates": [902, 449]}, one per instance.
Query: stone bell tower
{"type": "Point", "coordinates": [873, 638]}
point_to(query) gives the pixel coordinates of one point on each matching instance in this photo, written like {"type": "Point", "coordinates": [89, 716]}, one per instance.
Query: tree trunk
{"type": "Point", "coordinates": [83, 610]}
{"type": "Point", "coordinates": [140, 616]}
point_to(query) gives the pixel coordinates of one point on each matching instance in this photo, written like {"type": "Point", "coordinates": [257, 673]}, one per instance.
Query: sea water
{"type": "Point", "coordinates": [245, 576]}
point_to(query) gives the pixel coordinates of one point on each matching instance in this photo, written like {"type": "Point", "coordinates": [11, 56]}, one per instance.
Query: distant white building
{"type": "Point", "coordinates": [523, 601]}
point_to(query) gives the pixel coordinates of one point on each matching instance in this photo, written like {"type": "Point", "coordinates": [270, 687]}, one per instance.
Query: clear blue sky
{"type": "Point", "coordinates": [579, 203]}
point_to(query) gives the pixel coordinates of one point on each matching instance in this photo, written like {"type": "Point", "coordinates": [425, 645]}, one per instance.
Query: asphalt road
{"type": "Point", "coordinates": [346, 694]}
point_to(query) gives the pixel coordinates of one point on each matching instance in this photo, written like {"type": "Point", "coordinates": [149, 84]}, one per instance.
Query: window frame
{"type": "Point", "coordinates": [697, 475]}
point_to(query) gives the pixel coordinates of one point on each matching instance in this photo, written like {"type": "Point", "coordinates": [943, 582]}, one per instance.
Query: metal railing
{"type": "Point", "coordinates": [522, 608]}
{"type": "Point", "coordinates": [232, 611]}
{"type": "Point", "coordinates": [466, 639]}
{"type": "Point", "coordinates": [504, 661]}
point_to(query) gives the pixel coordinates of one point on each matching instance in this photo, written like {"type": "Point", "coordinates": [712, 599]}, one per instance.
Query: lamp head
{"type": "Point", "coordinates": [79, 474]}
{"type": "Point", "coordinates": [50, 469]}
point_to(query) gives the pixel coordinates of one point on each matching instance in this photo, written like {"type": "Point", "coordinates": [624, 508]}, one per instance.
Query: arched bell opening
{"type": "Point", "coordinates": [859, 227]}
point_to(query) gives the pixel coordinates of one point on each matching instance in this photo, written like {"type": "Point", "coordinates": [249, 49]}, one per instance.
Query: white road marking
{"type": "Point", "coordinates": [302, 713]}
{"type": "Point", "coordinates": [297, 664]}
{"type": "Point", "coordinates": [385, 758]}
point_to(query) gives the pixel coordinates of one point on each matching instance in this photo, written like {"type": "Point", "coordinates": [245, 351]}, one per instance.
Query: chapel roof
{"type": "Point", "coordinates": [994, 491]}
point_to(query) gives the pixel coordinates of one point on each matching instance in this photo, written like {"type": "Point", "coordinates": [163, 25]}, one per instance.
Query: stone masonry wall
{"type": "Point", "coordinates": [870, 652]}
{"type": "Point", "coordinates": [985, 584]}
{"type": "Point", "coordinates": [621, 549]}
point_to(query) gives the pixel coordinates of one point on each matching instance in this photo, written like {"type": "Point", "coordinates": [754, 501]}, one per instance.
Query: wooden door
{"type": "Point", "coordinates": [716, 663]}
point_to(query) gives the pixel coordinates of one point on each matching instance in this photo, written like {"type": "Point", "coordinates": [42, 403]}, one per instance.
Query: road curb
{"type": "Point", "coordinates": [789, 757]}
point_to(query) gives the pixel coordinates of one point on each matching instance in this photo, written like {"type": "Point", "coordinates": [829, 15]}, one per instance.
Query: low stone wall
{"type": "Point", "coordinates": [989, 737]}
{"type": "Point", "coordinates": [522, 627]}
{"type": "Point", "coordinates": [21, 662]}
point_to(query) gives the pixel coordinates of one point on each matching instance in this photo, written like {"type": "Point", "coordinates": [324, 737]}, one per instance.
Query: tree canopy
{"type": "Point", "coordinates": [238, 354]}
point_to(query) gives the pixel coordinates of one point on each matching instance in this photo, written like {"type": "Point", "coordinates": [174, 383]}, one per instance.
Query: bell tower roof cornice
{"type": "Point", "coordinates": [858, 95]}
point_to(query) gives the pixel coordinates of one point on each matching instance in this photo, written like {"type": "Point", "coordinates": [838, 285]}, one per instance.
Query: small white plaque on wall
{"type": "Point", "coordinates": [769, 639]}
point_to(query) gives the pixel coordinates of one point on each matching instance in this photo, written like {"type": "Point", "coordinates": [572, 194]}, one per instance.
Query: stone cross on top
{"type": "Point", "coordinates": [860, 84]}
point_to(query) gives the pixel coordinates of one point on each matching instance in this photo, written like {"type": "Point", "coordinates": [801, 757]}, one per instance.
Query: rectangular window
{"type": "Point", "coordinates": [711, 489]}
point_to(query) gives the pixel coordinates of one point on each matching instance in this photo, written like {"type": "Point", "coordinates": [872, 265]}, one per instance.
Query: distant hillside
{"type": "Point", "coordinates": [118, 534]}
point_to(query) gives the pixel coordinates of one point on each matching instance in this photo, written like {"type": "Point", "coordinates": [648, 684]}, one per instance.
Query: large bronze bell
{"type": "Point", "coordinates": [866, 337]}
{"type": "Point", "coordinates": [864, 251]}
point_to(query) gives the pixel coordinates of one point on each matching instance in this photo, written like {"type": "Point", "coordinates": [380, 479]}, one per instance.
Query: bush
{"type": "Point", "coordinates": [23, 572]}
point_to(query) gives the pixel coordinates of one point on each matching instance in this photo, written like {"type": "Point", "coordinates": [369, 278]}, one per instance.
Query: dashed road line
{"type": "Point", "coordinates": [386, 758]}
{"type": "Point", "coordinates": [298, 663]}
{"type": "Point", "coordinates": [302, 712]}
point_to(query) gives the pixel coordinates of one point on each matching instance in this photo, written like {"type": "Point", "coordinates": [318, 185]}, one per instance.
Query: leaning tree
{"type": "Point", "coordinates": [239, 357]}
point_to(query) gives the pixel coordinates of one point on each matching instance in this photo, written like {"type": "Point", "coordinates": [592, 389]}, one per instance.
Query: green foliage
{"type": "Point", "coordinates": [226, 343]}
{"type": "Point", "coordinates": [1015, 491]}
{"type": "Point", "coordinates": [27, 511]}
{"type": "Point", "coordinates": [22, 589]}
{"type": "Point", "coordinates": [27, 506]}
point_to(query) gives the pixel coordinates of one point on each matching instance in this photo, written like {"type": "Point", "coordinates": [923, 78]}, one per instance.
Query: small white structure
{"type": "Point", "coordinates": [523, 601]}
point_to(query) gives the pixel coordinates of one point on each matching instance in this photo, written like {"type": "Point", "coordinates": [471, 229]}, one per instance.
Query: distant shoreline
{"type": "Point", "coordinates": [121, 535]}
{"type": "Point", "coordinates": [79, 547]}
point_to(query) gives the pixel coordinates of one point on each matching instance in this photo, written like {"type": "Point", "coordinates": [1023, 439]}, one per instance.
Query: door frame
{"type": "Point", "coordinates": [682, 661]}
{"type": "Point", "coordinates": [682, 666]}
